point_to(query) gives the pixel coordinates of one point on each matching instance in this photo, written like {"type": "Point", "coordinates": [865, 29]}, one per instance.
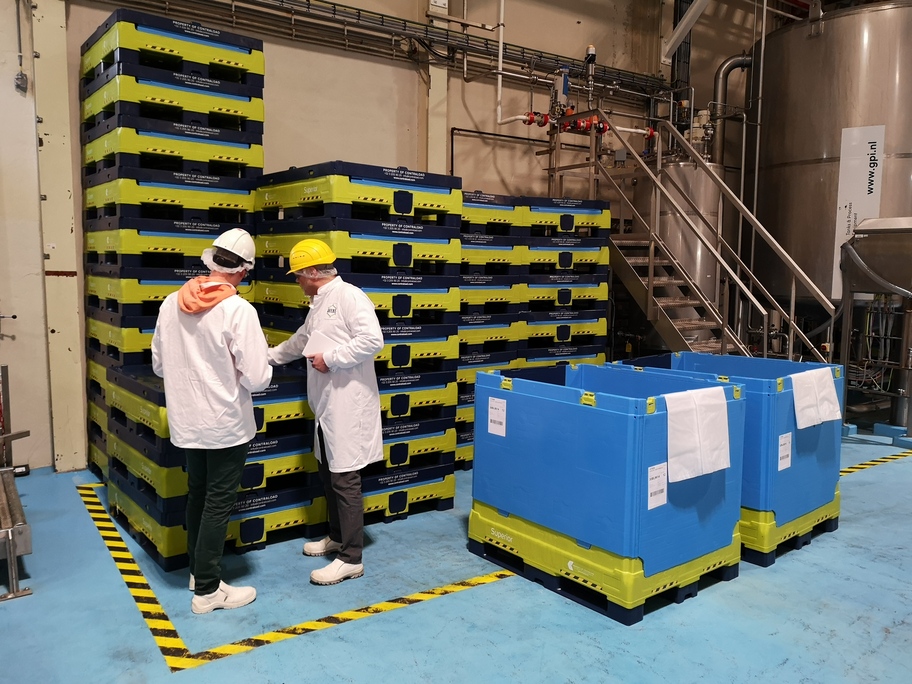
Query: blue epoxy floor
{"type": "Point", "coordinates": [839, 610]}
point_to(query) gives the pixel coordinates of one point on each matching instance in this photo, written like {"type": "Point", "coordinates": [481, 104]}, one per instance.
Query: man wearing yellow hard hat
{"type": "Point", "coordinates": [340, 337]}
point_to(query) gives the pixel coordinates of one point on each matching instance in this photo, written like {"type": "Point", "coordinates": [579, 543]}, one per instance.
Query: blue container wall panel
{"type": "Point", "coordinates": [583, 471]}
{"type": "Point", "coordinates": [810, 480]}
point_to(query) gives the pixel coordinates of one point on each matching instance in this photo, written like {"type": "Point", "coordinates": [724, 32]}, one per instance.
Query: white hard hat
{"type": "Point", "coordinates": [231, 252]}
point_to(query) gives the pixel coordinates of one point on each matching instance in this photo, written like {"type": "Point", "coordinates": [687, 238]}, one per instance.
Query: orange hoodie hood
{"type": "Point", "coordinates": [202, 293]}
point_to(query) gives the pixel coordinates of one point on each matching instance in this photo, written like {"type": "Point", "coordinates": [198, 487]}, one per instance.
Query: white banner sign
{"type": "Point", "coordinates": [858, 196]}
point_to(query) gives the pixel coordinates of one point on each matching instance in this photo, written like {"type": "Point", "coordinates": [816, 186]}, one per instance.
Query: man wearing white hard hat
{"type": "Point", "coordinates": [209, 348]}
{"type": "Point", "coordinates": [340, 337]}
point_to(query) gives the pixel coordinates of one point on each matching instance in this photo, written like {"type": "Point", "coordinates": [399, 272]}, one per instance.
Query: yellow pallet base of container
{"type": "Point", "coordinates": [421, 445]}
{"type": "Point", "coordinates": [389, 504]}
{"type": "Point", "coordinates": [760, 532]}
{"type": "Point", "coordinates": [597, 359]}
{"type": "Point", "coordinates": [622, 580]}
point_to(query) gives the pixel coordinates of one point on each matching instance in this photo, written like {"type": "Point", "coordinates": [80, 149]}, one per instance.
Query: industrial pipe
{"type": "Point", "coordinates": [720, 98]}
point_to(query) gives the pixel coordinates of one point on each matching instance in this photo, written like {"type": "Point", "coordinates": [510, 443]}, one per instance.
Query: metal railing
{"type": "Point", "coordinates": [744, 280]}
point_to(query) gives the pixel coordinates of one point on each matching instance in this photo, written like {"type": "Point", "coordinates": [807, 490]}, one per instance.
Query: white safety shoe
{"type": "Point", "coordinates": [322, 548]}
{"type": "Point", "coordinates": [337, 571]}
{"type": "Point", "coordinates": [225, 596]}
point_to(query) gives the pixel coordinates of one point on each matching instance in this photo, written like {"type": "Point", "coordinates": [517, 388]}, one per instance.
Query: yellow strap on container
{"type": "Point", "coordinates": [780, 384]}
{"type": "Point", "coordinates": [587, 399]}
{"type": "Point", "coordinates": [506, 384]}
{"type": "Point", "coordinates": [650, 405]}
{"type": "Point", "coordinates": [737, 391]}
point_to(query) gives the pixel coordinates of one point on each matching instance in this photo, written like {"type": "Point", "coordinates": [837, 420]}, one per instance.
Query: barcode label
{"type": "Point", "coordinates": [785, 451]}
{"type": "Point", "coordinates": [497, 416]}
{"type": "Point", "coordinates": [657, 478]}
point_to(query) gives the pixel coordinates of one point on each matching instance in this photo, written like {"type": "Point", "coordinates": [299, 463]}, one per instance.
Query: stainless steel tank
{"type": "Point", "coordinates": [827, 84]}
{"type": "Point", "coordinates": [672, 229]}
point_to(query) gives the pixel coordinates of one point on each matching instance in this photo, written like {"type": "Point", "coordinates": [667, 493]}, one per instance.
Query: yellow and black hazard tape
{"type": "Point", "coordinates": [172, 647]}
{"type": "Point", "coordinates": [165, 635]}
{"type": "Point", "coordinates": [874, 462]}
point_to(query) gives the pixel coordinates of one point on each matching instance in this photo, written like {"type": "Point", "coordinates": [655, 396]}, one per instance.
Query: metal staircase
{"type": "Point", "coordinates": [685, 316]}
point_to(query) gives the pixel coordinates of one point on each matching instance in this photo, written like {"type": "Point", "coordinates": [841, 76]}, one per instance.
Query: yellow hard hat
{"type": "Point", "coordinates": [309, 253]}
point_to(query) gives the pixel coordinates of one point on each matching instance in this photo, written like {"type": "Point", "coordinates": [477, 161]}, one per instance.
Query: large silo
{"type": "Point", "coordinates": [836, 134]}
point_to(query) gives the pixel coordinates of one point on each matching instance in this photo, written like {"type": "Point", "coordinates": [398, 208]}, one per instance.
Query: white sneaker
{"type": "Point", "coordinates": [322, 548]}
{"type": "Point", "coordinates": [336, 571]}
{"type": "Point", "coordinates": [225, 596]}
{"type": "Point", "coordinates": [192, 583]}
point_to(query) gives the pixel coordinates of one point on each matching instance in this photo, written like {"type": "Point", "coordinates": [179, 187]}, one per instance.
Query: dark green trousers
{"type": "Point", "coordinates": [213, 477]}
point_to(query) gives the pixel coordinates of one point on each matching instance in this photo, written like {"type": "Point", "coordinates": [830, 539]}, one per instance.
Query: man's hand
{"type": "Point", "coordinates": [317, 362]}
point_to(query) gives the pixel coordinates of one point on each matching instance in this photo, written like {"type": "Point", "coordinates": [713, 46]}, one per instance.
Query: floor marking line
{"type": "Point", "coordinates": [874, 462]}
{"type": "Point", "coordinates": [176, 654]}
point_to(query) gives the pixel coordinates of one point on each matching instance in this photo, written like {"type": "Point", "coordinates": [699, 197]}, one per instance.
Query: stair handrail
{"type": "Point", "coordinates": [710, 248]}
{"type": "Point", "coordinates": [796, 272]}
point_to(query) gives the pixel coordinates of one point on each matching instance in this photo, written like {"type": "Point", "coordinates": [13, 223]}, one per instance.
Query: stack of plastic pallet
{"type": "Point", "coordinates": [566, 276]}
{"type": "Point", "coordinates": [572, 486]}
{"type": "Point", "coordinates": [492, 295]}
{"type": "Point", "coordinates": [172, 126]}
{"type": "Point", "coordinates": [395, 234]}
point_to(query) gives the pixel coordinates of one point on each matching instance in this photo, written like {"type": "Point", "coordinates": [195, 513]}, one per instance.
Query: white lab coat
{"type": "Point", "coordinates": [211, 363]}
{"type": "Point", "coordinates": [345, 401]}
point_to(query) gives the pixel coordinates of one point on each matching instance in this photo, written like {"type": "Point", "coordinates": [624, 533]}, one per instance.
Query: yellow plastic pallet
{"type": "Point", "coordinates": [128, 291]}
{"type": "Point", "coordinates": [374, 503]}
{"type": "Point", "coordinates": [550, 328]}
{"type": "Point", "coordinates": [98, 415]}
{"type": "Point", "coordinates": [132, 141]}
{"type": "Point", "coordinates": [478, 334]}
{"type": "Point", "coordinates": [342, 190]}
{"type": "Point", "coordinates": [760, 532]}
{"type": "Point", "coordinates": [557, 293]}
{"type": "Point", "coordinates": [423, 349]}
{"type": "Point", "coordinates": [125, 34]}
{"type": "Point", "coordinates": [423, 444]}
{"type": "Point", "coordinates": [167, 482]}
{"type": "Point", "coordinates": [588, 256]}
{"type": "Point", "coordinates": [447, 395]}
{"type": "Point", "coordinates": [479, 256]}
{"type": "Point", "coordinates": [140, 410]}
{"type": "Point", "coordinates": [622, 580]}
{"type": "Point", "coordinates": [527, 217]}
{"type": "Point", "coordinates": [129, 191]}
{"type": "Point", "coordinates": [465, 452]}
{"type": "Point", "coordinates": [421, 300]}
{"type": "Point", "coordinates": [465, 414]}
{"type": "Point", "coordinates": [289, 294]}
{"type": "Point", "coordinates": [172, 482]}
{"type": "Point", "coordinates": [539, 363]}
{"type": "Point", "coordinates": [467, 374]}
{"type": "Point", "coordinates": [100, 459]}
{"type": "Point", "coordinates": [127, 241]}
{"type": "Point", "coordinates": [98, 373]}
{"type": "Point", "coordinates": [507, 294]}
{"type": "Point", "coordinates": [347, 246]}
{"type": "Point", "coordinates": [125, 339]}
{"type": "Point", "coordinates": [129, 89]}
{"type": "Point", "coordinates": [495, 214]}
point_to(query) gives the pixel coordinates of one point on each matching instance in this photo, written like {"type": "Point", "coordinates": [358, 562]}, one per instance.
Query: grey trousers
{"type": "Point", "coordinates": [345, 507]}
